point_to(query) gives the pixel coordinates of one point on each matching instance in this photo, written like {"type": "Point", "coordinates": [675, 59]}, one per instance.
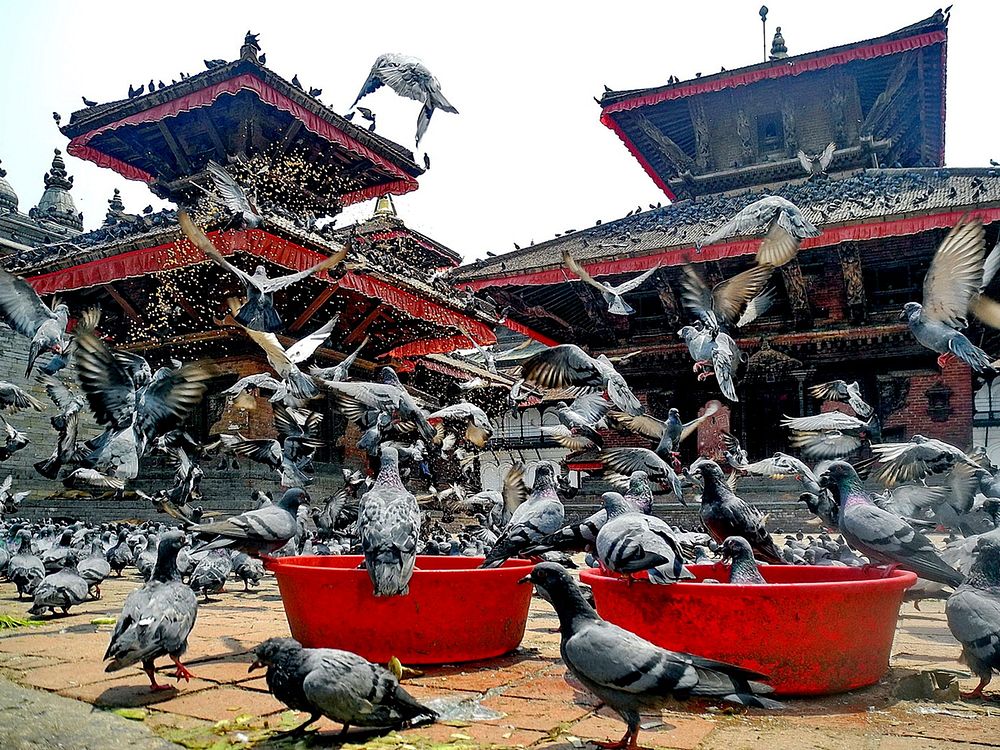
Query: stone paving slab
{"type": "Point", "coordinates": [536, 706]}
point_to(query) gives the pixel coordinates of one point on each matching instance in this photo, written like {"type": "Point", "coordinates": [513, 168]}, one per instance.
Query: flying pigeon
{"type": "Point", "coordinates": [14, 440]}
{"type": "Point", "coordinates": [714, 353]}
{"type": "Point", "coordinates": [844, 392]}
{"type": "Point", "coordinates": [582, 417]}
{"type": "Point", "coordinates": [340, 372]}
{"type": "Point", "coordinates": [952, 282]}
{"type": "Point", "coordinates": [630, 542]}
{"type": "Point", "coordinates": [234, 197]}
{"type": "Point", "coordinates": [156, 619]}
{"type": "Point", "coordinates": [818, 164]}
{"type": "Point", "coordinates": [23, 310]}
{"type": "Point", "coordinates": [783, 222]}
{"type": "Point", "coordinates": [478, 429]}
{"type": "Point", "coordinates": [66, 423]}
{"type": "Point", "coordinates": [916, 459]}
{"type": "Point", "coordinates": [627, 672]}
{"type": "Point", "coordinates": [613, 295]}
{"type": "Point", "coordinates": [880, 535]}
{"type": "Point", "coordinates": [541, 514]}
{"type": "Point", "coordinates": [568, 366]}
{"type": "Point", "coordinates": [724, 514]}
{"type": "Point", "coordinates": [291, 456]}
{"type": "Point", "coordinates": [727, 303]}
{"type": "Point", "coordinates": [831, 434]}
{"type": "Point", "coordinates": [627, 460]}
{"type": "Point", "coordinates": [668, 433]}
{"type": "Point", "coordinates": [14, 398]}
{"type": "Point", "coordinates": [973, 613]}
{"type": "Point", "coordinates": [260, 531]}
{"type": "Point", "coordinates": [242, 393]}
{"type": "Point", "coordinates": [337, 684]}
{"type": "Point", "coordinates": [258, 312]}
{"type": "Point", "coordinates": [742, 564]}
{"type": "Point", "coordinates": [408, 77]}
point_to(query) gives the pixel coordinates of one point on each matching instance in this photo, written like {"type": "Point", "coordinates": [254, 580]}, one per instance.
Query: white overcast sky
{"type": "Point", "coordinates": [526, 158]}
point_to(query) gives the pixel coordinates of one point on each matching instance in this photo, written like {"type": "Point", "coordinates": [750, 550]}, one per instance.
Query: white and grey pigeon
{"type": "Point", "coordinates": [23, 310]}
{"type": "Point", "coordinates": [156, 619]}
{"type": "Point", "coordinates": [62, 589]}
{"type": "Point", "coordinates": [408, 77]}
{"type": "Point", "coordinates": [916, 459]}
{"type": "Point", "coordinates": [630, 542]}
{"type": "Point", "coordinates": [830, 434]}
{"type": "Point", "coordinates": [845, 393]}
{"type": "Point", "coordinates": [951, 284]}
{"type": "Point", "coordinates": [613, 295]}
{"type": "Point", "coordinates": [260, 531]}
{"type": "Point", "coordinates": [257, 313]}
{"type": "Point", "coordinates": [339, 685]}
{"type": "Point", "coordinates": [973, 613]}
{"type": "Point", "coordinates": [627, 672]}
{"type": "Point", "coordinates": [234, 196]}
{"type": "Point", "coordinates": [242, 393]}
{"type": "Point", "coordinates": [478, 429]}
{"type": "Point", "coordinates": [291, 454]}
{"type": "Point", "coordinates": [627, 460]}
{"type": "Point", "coordinates": [727, 303]}
{"type": "Point", "coordinates": [568, 366]}
{"type": "Point", "coordinates": [815, 165]}
{"type": "Point", "coordinates": [541, 514]}
{"type": "Point", "coordinates": [783, 222]}
{"type": "Point", "coordinates": [14, 398]}
{"type": "Point", "coordinates": [714, 353]}
{"type": "Point", "coordinates": [388, 529]}
{"type": "Point", "coordinates": [66, 423]}
{"type": "Point", "coordinates": [340, 372]}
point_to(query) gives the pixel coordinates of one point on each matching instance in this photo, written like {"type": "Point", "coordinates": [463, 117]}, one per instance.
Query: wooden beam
{"type": "Point", "coordinates": [594, 307]}
{"type": "Point", "coordinates": [887, 102]}
{"type": "Point", "coordinates": [221, 154]}
{"type": "Point", "coordinates": [370, 318]}
{"type": "Point", "coordinates": [174, 146]}
{"type": "Point", "coordinates": [186, 307]}
{"type": "Point", "coordinates": [318, 301]}
{"type": "Point", "coordinates": [216, 334]}
{"type": "Point", "coordinates": [124, 304]}
{"type": "Point", "coordinates": [673, 153]}
{"type": "Point", "coordinates": [289, 136]}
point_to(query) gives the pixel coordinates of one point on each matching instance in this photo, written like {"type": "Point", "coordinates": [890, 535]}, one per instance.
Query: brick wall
{"type": "Point", "coordinates": [951, 391]}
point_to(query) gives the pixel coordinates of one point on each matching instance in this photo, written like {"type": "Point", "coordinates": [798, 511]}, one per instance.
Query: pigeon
{"type": "Point", "coordinates": [66, 423]}
{"type": "Point", "coordinates": [881, 535]}
{"type": "Point", "coordinates": [134, 92]}
{"type": "Point", "coordinates": [63, 589]}
{"type": "Point", "coordinates": [94, 568]}
{"type": "Point", "coordinates": [337, 684]}
{"type": "Point", "coordinates": [388, 528]}
{"type": "Point", "coordinates": [145, 561]}
{"type": "Point", "coordinates": [89, 479]}
{"type": "Point", "coordinates": [88, 102]}
{"type": "Point", "coordinates": [818, 164]}
{"type": "Point", "coordinates": [13, 398]}
{"type": "Point", "coordinates": [291, 456]}
{"type": "Point", "coordinates": [724, 514]}
{"type": "Point", "coordinates": [260, 531]}
{"type": "Point", "coordinates": [783, 222]}
{"type": "Point", "coordinates": [973, 613]}
{"type": "Point", "coordinates": [950, 285]}
{"type": "Point", "coordinates": [668, 433]}
{"type": "Point", "coordinates": [781, 466]}
{"type": "Point", "coordinates": [627, 672]}
{"type": "Point", "coordinates": [23, 311]}
{"type": "Point", "coordinates": [831, 434]}
{"type": "Point", "coordinates": [134, 405]}
{"type": "Point", "coordinates": [55, 556]}
{"type": "Point", "coordinates": [581, 418]}
{"type": "Point", "coordinates": [24, 570]}
{"type": "Point", "coordinates": [541, 514]}
{"type": "Point", "coordinates": [234, 197]}
{"type": "Point", "coordinates": [210, 574]}
{"type": "Point", "coordinates": [714, 353]}
{"type": "Point", "coordinates": [120, 556]}
{"type": "Point", "coordinates": [156, 619]}
{"type": "Point", "coordinates": [742, 564]}
{"type": "Point", "coordinates": [340, 372]}
{"type": "Point", "coordinates": [627, 460]}
{"type": "Point", "coordinates": [726, 304]}
{"type": "Point", "coordinates": [248, 569]}
{"type": "Point", "coordinates": [916, 459]}
{"type": "Point", "coordinates": [568, 366]}
{"type": "Point", "coordinates": [408, 77]}
{"type": "Point", "coordinates": [844, 392]}
{"type": "Point", "coordinates": [630, 542]}
{"type": "Point", "coordinates": [242, 393]}
{"type": "Point", "coordinates": [478, 429]}
{"type": "Point", "coordinates": [613, 295]}
{"type": "Point", "coordinates": [257, 313]}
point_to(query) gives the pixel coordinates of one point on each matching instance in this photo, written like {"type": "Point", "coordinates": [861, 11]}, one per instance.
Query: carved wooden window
{"type": "Point", "coordinates": [894, 286]}
{"type": "Point", "coordinates": [770, 133]}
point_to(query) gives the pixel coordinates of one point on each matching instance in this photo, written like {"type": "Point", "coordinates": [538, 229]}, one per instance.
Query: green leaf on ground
{"type": "Point", "coordinates": [134, 714]}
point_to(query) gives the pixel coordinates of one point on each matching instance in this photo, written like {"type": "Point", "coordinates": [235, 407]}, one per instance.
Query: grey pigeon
{"type": "Point", "coordinates": [613, 295]}
{"type": "Point", "coordinates": [973, 613]}
{"type": "Point", "coordinates": [210, 574]}
{"type": "Point", "coordinates": [156, 619]}
{"type": "Point", "coordinates": [55, 556]}
{"type": "Point", "coordinates": [627, 672]}
{"type": "Point", "coordinates": [630, 542]}
{"type": "Point", "coordinates": [568, 366]}
{"type": "Point", "coordinates": [669, 432]}
{"type": "Point", "coordinates": [783, 466]}
{"type": "Point", "coordinates": [714, 353]}
{"type": "Point", "coordinates": [336, 684]}
{"type": "Point", "coordinates": [234, 196]}
{"type": "Point", "coordinates": [291, 455]}
{"type": "Point", "coordinates": [260, 531]}
{"type": "Point", "coordinates": [951, 284]}
{"type": "Point", "coordinates": [120, 555]}
{"type": "Point", "coordinates": [627, 460]}
{"type": "Point", "coordinates": [478, 429]}
{"type": "Point", "coordinates": [258, 312]}
{"type": "Point", "coordinates": [248, 569]}
{"type": "Point", "coordinates": [742, 564]}
{"type": "Point", "coordinates": [388, 528]}
{"type": "Point", "coordinates": [94, 568]}
{"type": "Point", "coordinates": [66, 423]}
{"type": "Point", "coordinates": [408, 77]}
{"type": "Point", "coordinates": [541, 514]}
{"type": "Point", "coordinates": [830, 435]}
{"type": "Point", "coordinates": [14, 440]}
{"type": "Point", "coordinates": [783, 222]}
{"type": "Point", "coordinates": [63, 589]}
{"type": "Point", "coordinates": [340, 372]}
{"type": "Point", "coordinates": [145, 561]}
{"type": "Point", "coordinates": [25, 570]}
{"type": "Point", "coordinates": [23, 310]}
{"type": "Point", "coordinates": [881, 535]}
{"type": "Point", "coordinates": [736, 456]}
{"type": "Point", "coordinates": [582, 417]}
{"type": "Point", "coordinates": [724, 514]}
{"type": "Point", "coordinates": [815, 165]}
{"type": "Point", "coordinates": [844, 392]}
{"type": "Point", "coordinates": [729, 302]}
{"type": "Point", "coordinates": [916, 459]}
{"type": "Point", "coordinates": [242, 393]}
{"type": "Point", "coordinates": [14, 398]}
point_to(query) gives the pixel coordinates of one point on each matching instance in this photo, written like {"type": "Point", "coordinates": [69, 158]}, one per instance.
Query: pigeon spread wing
{"type": "Point", "coordinates": [106, 383]}
{"type": "Point", "coordinates": [167, 401]}
{"type": "Point", "coordinates": [955, 274]}
{"type": "Point", "coordinates": [643, 424]}
{"type": "Point", "coordinates": [572, 264]}
{"type": "Point", "coordinates": [562, 366]}
{"type": "Point", "coordinates": [201, 241]}
{"type": "Point", "coordinates": [20, 306]}
{"type": "Point", "coordinates": [305, 347]}
{"type": "Point", "coordinates": [232, 194]}
{"type": "Point", "coordinates": [282, 282]}
{"type": "Point", "coordinates": [731, 297]}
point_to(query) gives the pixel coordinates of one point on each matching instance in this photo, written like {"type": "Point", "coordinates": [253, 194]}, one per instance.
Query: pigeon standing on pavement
{"type": "Point", "coordinates": [260, 531]}
{"type": "Point", "coordinates": [60, 590]}
{"type": "Point", "coordinates": [742, 564]}
{"type": "Point", "coordinates": [880, 535]}
{"type": "Point", "coordinates": [534, 519]}
{"type": "Point", "coordinates": [337, 684]}
{"type": "Point", "coordinates": [725, 515]}
{"type": "Point", "coordinates": [974, 614]}
{"type": "Point", "coordinates": [627, 672]}
{"type": "Point", "coordinates": [94, 568]}
{"type": "Point", "coordinates": [24, 570]}
{"type": "Point", "coordinates": [388, 528]}
{"type": "Point", "coordinates": [156, 619]}
{"type": "Point", "coordinates": [630, 542]}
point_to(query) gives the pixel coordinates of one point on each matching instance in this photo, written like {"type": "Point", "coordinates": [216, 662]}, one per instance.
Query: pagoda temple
{"type": "Point", "coordinates": [715, 144]}
{"type": "Point", "coordinates": [162, 298]}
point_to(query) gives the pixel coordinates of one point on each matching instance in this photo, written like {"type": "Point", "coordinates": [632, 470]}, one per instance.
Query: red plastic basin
{"type": "Point", "coordinates": [454, 612]}
{"type": "Point", "coordinates": [813, 630]}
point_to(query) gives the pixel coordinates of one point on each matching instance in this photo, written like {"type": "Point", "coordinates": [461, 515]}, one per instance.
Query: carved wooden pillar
{"type": "Point", "coordinates": [671, 308]}
{"type": "Point", "coordinates": [746, 137]}
{"type": "Point", "coordinates": [854, 281]}
{"type": "Point", "coordinates": [703, 153]}
{"type": "Point", "coordinates": [797, 290]}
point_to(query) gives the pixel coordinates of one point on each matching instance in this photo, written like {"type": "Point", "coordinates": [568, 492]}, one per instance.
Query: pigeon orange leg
{"type": "Point", "coordinates": [944, 360]}
{"type": "Point", "coordinates": [154, 686]}
{"type": "Point", "coordinates": [628, 741]}
{"type": "Point", "coordinates": [182, 672]}
{"type": "Point", "coordinates": [978, 692]}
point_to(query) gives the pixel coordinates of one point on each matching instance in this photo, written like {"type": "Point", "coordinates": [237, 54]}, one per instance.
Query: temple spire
{"type": "Point", "coordinates": [115, 208]}
{"type": "Point", "coordinates": [778, 49]}
{"type": "Point", "coordinates": [8, 198]}
{"type": "Point", "coordinates": [56, 204]}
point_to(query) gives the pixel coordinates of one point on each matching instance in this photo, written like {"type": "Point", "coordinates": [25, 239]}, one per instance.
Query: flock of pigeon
{"type": "Point", "coordinates": [927, 482]}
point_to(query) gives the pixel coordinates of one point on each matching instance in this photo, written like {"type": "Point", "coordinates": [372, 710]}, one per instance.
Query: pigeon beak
{"type": "Point", "coordinates": [256, 665]}
{"type": "Point", "coordinates": [526, 579]}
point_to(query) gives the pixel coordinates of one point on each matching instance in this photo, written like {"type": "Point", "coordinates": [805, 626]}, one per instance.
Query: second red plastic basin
{"type": "Point", "coordinates": [455, 612]}
{"type": "Point", "coordinates": [813, 630]}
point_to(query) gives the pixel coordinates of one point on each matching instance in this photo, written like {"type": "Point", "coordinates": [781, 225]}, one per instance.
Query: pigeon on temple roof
{"type": "Point", "coordinates": [408, 77]}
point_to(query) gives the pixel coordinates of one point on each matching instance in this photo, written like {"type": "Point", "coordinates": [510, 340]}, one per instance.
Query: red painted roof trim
{"type": "Point", "coordinates": [531, 333]}
{"type": "Point", "coordinates": [79, 147]}
{"type": "Point", "coordinates": [584, 466]}
{"type": "Point", "coordinates": [264, 245]}
{"type": "Point", "coordinates": [680, 255]}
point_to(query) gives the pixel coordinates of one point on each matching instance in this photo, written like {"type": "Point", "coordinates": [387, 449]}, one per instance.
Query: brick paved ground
{"type": "Point", "coordinates": [536, 706]}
